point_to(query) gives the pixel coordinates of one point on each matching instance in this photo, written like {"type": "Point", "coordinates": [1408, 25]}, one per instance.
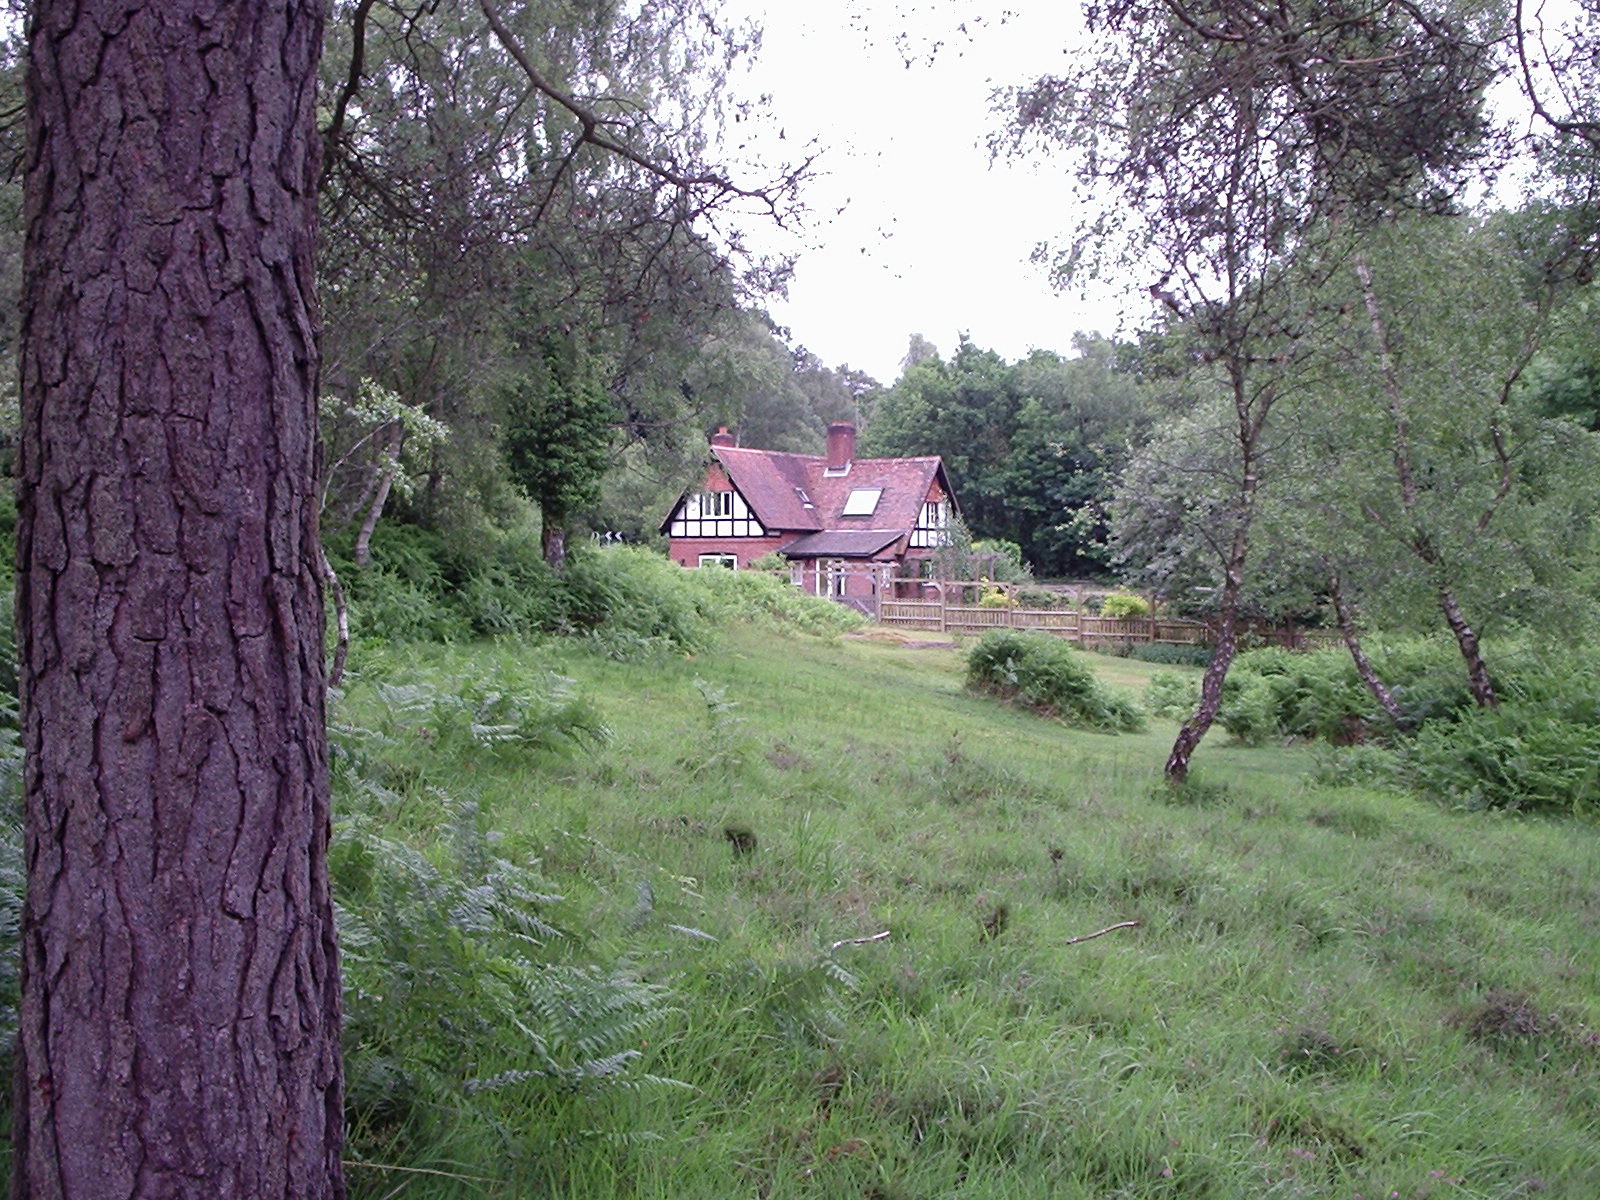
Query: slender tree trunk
{"type": "Point", "coordinates": [341, 617]}
{"type": "Point", "coordinates": [1419, 543]}
{"type": "Point", "coordinates": [380, 496]}
{"type": "Point", "coordinates": [1250, 422]}
{"type": "Point", "coordinates": [178, 1031]}
{"type": "Point", "coordinates": [1478, 680]}
{"type": "Point", "coordinates": [1205, 714]}
{"type": "Point", "coordinates": [1352, 641]}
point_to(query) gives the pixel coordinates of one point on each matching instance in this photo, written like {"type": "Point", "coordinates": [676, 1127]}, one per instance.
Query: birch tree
{"type": "Point", "coordinates": [1220, 142]}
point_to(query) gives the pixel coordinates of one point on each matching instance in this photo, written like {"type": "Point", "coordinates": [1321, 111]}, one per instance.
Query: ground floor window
{"type": "Point", "coordinates": [833, 577]}
{"type": "Point", "coordinates": [730, 561]}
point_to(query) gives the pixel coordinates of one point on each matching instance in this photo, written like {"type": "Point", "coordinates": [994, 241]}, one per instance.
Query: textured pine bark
{"type": "Point", "coordinates": [180, 997]}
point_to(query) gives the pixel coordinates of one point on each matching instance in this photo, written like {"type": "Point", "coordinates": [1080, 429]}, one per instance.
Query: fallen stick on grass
{"type": "Point", "coordinates": [877, 937]}
{"type": "Point", "coordinates": [1101, 932]}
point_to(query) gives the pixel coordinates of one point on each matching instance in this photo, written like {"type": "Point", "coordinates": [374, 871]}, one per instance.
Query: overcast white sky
{"type": "Point", "coordinates": [932, 239]}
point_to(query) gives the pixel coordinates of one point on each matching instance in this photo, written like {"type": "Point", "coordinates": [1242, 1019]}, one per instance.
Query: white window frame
{"type": "Point", "coordinates": [727, 561]}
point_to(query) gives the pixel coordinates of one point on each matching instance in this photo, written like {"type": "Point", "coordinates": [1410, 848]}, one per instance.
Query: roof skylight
{"type": "Point", "coordinates": [862, 502]}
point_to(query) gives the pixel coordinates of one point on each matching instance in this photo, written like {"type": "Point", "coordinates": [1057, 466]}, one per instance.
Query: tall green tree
{"type": "Point", "coordinates": [964, 410]}
{"type": "Point", "coordinates": [1031, 447]}
{"type": "Point", "coordinates": [560, 428]}
{"type": "Point", "coordinates": [1079, 417]}
{"type": "Point", "coordinates": [1439, 451]}
{"type": "Point", "coordinates": [744, 377]}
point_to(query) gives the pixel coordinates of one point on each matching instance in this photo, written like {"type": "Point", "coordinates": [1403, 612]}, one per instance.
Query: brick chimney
{"type": "Point", "coordinates": [723, 438]}
{"type": "Point", "coordinates": [841, 447]}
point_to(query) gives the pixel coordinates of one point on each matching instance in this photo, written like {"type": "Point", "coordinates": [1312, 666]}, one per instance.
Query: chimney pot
{"type": "Point", "coordinates": [723, 438]}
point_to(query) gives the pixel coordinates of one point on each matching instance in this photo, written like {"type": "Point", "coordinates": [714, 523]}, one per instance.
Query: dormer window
{"type": "Point", "coordinates": [862, 502]}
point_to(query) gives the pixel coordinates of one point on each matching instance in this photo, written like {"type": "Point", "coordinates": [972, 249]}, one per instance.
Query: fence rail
{"type": "Point", "coordinates": [934, 616]}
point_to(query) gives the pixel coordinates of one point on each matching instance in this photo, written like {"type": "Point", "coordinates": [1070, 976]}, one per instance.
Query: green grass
{"type": "Point", "coordinates": [1330, 993]}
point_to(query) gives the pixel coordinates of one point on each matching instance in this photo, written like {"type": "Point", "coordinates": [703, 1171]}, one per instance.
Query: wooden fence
{"type": "Point", "coordinates": [934, 616]}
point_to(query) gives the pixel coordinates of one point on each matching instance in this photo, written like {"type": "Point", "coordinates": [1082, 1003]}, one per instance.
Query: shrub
{"type": "Point", "coordinates": [1124, 604]}
{"type": "Point", "coordinates": [1315, 694]}
{"type": "Point", "coordinates": [1002, 560]}
{"type": "Point", "coordinates": [511, 591]}
{"type": "Point", "coordinates": [1357, 766]}
{"type": "Point", "coordinates": [1172, 655]}
{"type": "Point", "coordinates": [1426, 677]}
{"type": "Point", "coordinates": [628, 602]}
{"type": "Point", "coordinates": [457, 1017]}
{"type": "Point", "coordinates": [385, 605]}
{"type": "Point", "coordinates": [460, 1015]}
{"type": "Point", "coordinates": [766, 599]}
{"type": "Point", "coordinates": [635, 593]}
{"type": "Point", "coordinates": [1520, 755]}
{"type": "Point", "coordinates": [1038, 597]}
{"type": "Point", "coordinates": [1249, 708]}
{"type": "Point", "coordinates": [1045, 674]}
{"type": "Point", "coordinates": [8, 634]}
{"type": "Point", "coordinates": [478, 713]}
{"type": "Point", "coordinates": [1171, 695]}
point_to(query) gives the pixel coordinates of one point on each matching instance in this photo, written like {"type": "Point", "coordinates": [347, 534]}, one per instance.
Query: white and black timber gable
{"type": "Point", "coordinates": [714, 514]}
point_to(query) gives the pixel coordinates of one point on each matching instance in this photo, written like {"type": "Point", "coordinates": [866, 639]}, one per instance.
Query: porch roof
{"type": "Point", "coordinates": [842, 543]}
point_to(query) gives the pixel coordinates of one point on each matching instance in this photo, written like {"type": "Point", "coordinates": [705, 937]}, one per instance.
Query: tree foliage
{"type": "Point", "coordinates": [1031, 446]}
{"type": "Point", "coordinates": [498, 167]}
{"type": "Point", "coordinates": [1233, 142]}
{"type": "Point", "coordinates": [560, 425]}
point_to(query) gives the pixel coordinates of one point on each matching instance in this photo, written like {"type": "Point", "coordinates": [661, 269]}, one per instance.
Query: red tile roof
{"type": "Point", "coordinates": [797, 494]}
{"type": "Point", "coordinates": [777, 485]}
{"type": "Point", "coordinates": [771, 483]}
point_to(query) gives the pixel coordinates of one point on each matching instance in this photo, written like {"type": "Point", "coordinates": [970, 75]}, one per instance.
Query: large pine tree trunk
{"type": "Point", "coordinates": [180, 991]}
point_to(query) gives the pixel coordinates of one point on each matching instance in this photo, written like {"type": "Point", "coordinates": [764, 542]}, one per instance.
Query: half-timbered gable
{"type": "Point", "coordinates": [715, 514]}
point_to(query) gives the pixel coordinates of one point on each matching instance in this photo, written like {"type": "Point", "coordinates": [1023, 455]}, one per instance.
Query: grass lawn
{"type": "Point", "coordinates": [1328, 993]}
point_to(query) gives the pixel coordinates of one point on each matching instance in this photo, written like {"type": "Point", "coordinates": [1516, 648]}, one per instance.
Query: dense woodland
{"type": "Point", "coordinates": [1365, 394]}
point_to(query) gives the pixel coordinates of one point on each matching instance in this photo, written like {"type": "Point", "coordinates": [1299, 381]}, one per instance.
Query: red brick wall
{"type": "Point", "coordinates": [686, 552]}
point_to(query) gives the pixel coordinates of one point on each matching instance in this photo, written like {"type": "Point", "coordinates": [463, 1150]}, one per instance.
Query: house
{"type": "Point", "coordinates": [848, 526]}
